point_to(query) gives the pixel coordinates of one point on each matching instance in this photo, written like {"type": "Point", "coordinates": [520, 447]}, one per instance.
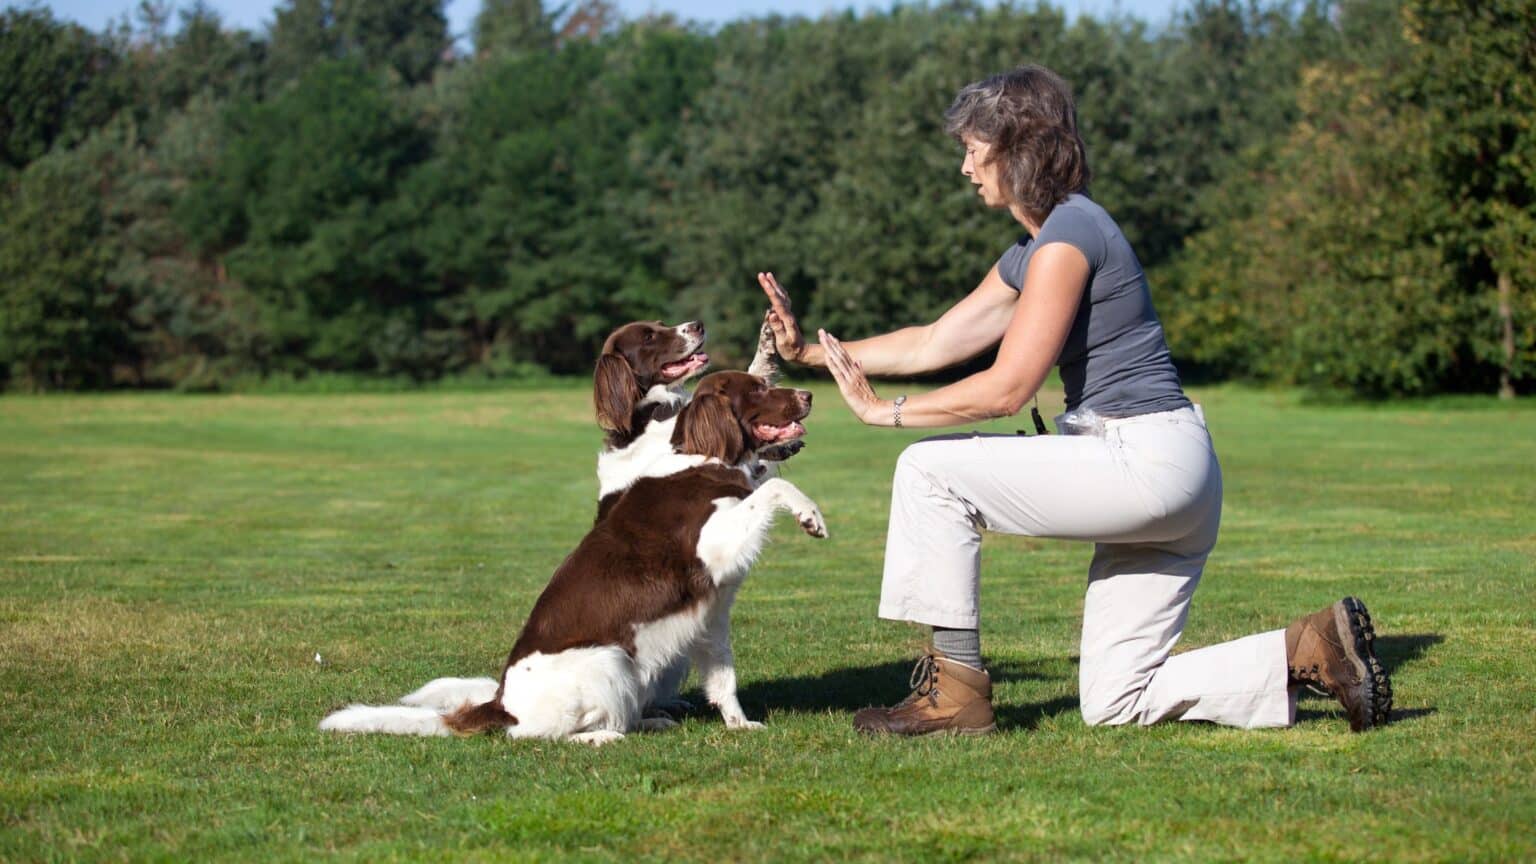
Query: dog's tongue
{"type": "Point", "coordinates": [766, 432]}
{"type": "Point", "coordinates": [692, 363]}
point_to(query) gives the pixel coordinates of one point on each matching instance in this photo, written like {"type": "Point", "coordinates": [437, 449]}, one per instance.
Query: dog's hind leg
{"type": "Point", "coordinates": [657, 724]}
{"type": "Point", "coordinates": [446, 694]}
{"type": "Point", "coordinates": [663, 695]}
{"type": "Point", "coordinates": [596, 738]}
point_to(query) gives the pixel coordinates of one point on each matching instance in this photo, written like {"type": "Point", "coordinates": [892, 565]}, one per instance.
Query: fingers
{"type": "Point", "coordinates": [778, 298]}
{"type": "Point", "coordinates": [776, 324]}
{"type": "Point", "coordinates": [844, 368]}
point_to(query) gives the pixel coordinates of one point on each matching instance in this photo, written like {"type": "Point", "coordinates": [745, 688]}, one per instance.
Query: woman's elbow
{"type": "Point", "coordinates": [1011, 401]}
{"type": "Point", "coordinates": [1009, 406]}
{"type": "Point", "coordinates": [1005, 405]}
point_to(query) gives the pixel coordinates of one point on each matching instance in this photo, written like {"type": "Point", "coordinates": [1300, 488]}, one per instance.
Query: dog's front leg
{"type": "Point", "coordinates": [713, 657]}
{"type": "Point", "coordinates": [728, 544]}
{"type": "Point", "coordinates": [730, 539]}
{"type": "Point", "coordinates": [765, 363]}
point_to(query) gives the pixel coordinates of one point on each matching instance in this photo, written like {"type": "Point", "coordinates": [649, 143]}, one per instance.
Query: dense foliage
{"type": "Point", "coordinates": [1338, 194]}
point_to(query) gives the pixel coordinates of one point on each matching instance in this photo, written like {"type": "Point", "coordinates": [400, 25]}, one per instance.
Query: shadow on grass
{"type": "Point", "coordinates": [1012, 717]}
{"type": "Point", "coordinates": [1399, 650]}
{"type": "Point", "coordinates": [852, 688]}
{"type": "Point", "coordinates": [1394, 652]}
{"type": "Point", "coordinates": [1399, 715]}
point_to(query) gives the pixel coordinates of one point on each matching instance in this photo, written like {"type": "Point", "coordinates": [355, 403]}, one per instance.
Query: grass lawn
{"type": "Point", "coordinates": [187, 584]}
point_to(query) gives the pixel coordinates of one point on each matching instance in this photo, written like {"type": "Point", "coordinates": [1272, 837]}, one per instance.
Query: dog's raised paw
{"type": "Point", "coordinates": [812, 523]}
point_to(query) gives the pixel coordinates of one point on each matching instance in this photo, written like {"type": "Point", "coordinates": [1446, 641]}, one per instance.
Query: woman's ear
{"type": "Point", "coordinates": [707, 427]}
{"type": "Point", "coordinates": [615, 393]}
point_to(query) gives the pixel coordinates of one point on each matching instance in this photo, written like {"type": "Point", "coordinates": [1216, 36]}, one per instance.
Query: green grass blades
{"type": "Point", "coordinates": [188, 584]}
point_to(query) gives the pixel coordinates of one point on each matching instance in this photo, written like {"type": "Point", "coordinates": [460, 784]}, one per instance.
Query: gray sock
{"type": "Point", "coordinates": [961, 646]}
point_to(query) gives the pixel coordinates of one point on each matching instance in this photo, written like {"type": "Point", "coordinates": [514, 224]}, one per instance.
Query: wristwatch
{"type": "Point", "coordinates": [896, 408]}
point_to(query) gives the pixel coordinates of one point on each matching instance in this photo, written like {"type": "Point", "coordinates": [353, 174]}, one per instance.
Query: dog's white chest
{"type": "Point", "coordinates": [650, 455]}
{"type": "Point", "coordinates": [659, 642]}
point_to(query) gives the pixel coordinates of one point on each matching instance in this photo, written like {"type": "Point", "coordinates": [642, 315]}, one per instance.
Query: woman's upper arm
{"type": "Point", "coordinates": [971, 326]}
{"type": "Point", "coordinates": [1034, 336]}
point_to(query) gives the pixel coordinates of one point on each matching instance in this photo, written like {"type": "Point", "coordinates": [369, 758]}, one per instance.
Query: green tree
{"type": "Point", "coordinates": [513, 26]}
{"type": "Point", "coordinates": [1475, 75]}
{"type": "Point", "coordinates": [405, 37]}
{"type": "Point", "coordinates": [200, 57]}
{"type": "Point", "coordinates": [295, 206]}
{"type": "Point", "coordinates": [535, 219]}
{"type": "Point", "coordinates": [57, 83]}
{"type": "Point", "coordinates": [61, 323]}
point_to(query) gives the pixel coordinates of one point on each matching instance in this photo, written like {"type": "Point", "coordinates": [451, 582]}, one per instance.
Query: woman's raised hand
{"type": "Point", "coordinates": [786, 330]}
{"type": "Point", "coordinates": [851, 381]}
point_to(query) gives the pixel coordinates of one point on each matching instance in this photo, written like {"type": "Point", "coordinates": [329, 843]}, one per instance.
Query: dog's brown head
{"type": "Point", "coordinates": [733, 415]}
{"type": "Point", "coordinates": [637, 357]}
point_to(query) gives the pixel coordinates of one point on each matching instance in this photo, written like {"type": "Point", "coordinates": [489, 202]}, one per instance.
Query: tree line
{"type": "Point", "coordinates": [1335, 194]}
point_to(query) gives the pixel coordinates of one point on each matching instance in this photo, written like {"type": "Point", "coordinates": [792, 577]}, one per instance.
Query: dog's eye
{"type": "Point", "coordinates": [649, 335]}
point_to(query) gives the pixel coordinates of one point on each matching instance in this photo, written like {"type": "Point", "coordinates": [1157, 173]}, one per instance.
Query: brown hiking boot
{"type": "Point", "coordinates": [947, 698]}
{"type": "Point", "coordinates": [1332, 648]}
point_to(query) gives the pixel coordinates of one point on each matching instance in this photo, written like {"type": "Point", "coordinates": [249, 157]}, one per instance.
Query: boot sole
{"type": "Point", "coordinates": [937, 733]}
{"type": "Point", "coordinates": [1351, 617]}
{"type": "Point", "coordinates": [963, 733]}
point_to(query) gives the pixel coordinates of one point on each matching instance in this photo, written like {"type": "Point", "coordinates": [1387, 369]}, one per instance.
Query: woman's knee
{"type": "Point", "coordinates": [927, 457]}
{"type": "Point", "coordinates": [1109, 700]}
{"type": "Point", "coordinates": [1106, 709]}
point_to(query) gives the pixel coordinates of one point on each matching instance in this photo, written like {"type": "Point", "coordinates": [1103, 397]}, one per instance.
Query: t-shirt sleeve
{"type": "Point", "coordinates": [1013, 263]}
{"type": "Point", "coordinates": [1075, 228]}
{"type": "Point", "coordinates": [1064, 225]}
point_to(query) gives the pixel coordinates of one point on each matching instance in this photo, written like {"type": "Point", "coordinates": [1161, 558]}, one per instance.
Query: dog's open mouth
{"type": "Point", "coordinates": [770, 434]}
{"type": "Point", "coordinates": [689, 365]}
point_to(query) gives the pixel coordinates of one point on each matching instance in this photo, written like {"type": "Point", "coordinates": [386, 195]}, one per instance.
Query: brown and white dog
{"type": "Point", "coordinates": [637, 392]}
{"type": "Point", "coordinates": [639, 375]}
{"type": "Point", "coordinates": [653, 581]}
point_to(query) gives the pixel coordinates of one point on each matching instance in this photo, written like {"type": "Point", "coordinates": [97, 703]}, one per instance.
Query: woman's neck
{"type": "Point", "coordinates": [1030, 221]}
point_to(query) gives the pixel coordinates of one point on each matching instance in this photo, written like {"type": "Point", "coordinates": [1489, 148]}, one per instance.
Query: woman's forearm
{"type": "Point", "coordinates": [896, 353]}
{"type": "Point", "coordinates": [987, 395]}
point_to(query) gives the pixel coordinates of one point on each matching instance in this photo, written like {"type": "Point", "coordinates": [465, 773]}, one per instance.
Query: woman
{"type": "Point", "coordinates": [1136, 473]}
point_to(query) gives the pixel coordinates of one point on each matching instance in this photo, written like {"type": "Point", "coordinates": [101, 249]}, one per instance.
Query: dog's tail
{"type": "Point", "coordinates": [388, 719]}
{"type": "Point", "coordinates": [484, 717]}
{"type": "Point", "coordinates": [445, 694]}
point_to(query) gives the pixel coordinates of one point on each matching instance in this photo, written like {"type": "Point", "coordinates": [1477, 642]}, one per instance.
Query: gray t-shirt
{"type": "Point", "coordinates": [1115, 360]}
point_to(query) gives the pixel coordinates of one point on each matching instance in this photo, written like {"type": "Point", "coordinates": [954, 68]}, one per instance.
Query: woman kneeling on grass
{"type": "Point", "coordinates": [1136, 472]}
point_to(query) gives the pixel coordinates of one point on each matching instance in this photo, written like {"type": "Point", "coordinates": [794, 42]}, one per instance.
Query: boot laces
{"type": "Point", "coordinates": [925, 677]}
{"type": "Point", "coordinates": [1311, 677]}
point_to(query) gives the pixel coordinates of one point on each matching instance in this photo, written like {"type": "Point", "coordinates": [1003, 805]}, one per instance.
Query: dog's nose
{"type": "Point", "coordinates": [804, 396]}
{"type": "Point", "coordinates": [692, 328]}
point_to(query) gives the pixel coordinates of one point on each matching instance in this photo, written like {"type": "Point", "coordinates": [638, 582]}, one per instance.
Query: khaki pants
{"type": "Point", "coordinates": [1148, 494]}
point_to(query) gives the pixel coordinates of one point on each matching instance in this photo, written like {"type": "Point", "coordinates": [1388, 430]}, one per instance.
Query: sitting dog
{"type": "Point", "coordinates": [653, 581]}
{"type": "Point", "coordinates": [640, 420]}
{"type": "Point", "coordinates": [637, 391]}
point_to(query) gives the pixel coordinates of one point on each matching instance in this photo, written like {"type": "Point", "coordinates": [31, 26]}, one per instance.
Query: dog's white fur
{"type": "Point", "coordinates": [595, 695]}
{"type": "Point", "coordinates": [649, 455]}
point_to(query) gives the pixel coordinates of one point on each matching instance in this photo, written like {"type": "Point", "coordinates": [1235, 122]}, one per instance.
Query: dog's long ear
{"type": "Point", "coordinates": [615, 393]}
{"type": "Point", "coordinates": [708, 428]}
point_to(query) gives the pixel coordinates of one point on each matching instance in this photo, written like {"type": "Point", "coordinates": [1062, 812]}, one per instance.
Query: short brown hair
{"type": "Point", "coordinates": [1029, 120]}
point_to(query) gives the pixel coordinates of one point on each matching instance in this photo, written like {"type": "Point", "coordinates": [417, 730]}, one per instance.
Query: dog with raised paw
{"type": "Point", "coordinates": [651, 583]}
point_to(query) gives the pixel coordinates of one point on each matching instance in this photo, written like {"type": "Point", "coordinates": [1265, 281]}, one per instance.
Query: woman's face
{"type": "Point", "coordinates": [981, 174]}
